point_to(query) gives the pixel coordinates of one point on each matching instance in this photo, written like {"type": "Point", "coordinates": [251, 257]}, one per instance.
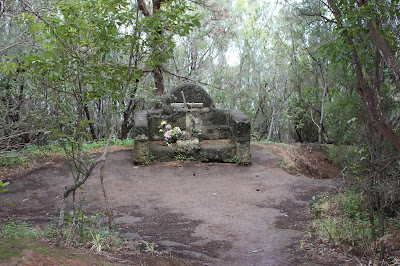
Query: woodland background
{"type": "Point", "coordinates": [311, 71]}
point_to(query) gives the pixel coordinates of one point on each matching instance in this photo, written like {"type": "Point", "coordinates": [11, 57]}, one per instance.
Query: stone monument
{"type": "Point", "coordinates": [210, 134]}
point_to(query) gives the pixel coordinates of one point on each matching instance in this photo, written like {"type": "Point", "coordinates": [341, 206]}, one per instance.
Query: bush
{"type": "Point", "coordinates": [343, 219]}
{"type": "Point", "coordinates": [339, 154]}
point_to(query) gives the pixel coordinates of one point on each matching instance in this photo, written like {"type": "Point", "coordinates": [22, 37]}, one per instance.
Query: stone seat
{"type": "Point", "coordinates": [221, 150]}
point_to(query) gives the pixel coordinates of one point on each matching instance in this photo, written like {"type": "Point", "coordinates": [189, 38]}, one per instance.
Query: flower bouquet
{"type": "Point", "coordinates": [171, 135]}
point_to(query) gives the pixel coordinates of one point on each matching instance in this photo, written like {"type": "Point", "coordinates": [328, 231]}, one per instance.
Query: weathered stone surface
{"type": "Point", "coordinates": [188, 147]}
{"type": "Point", "coordinates": [161, 152]}
{"type": "Point", "coordinates": [217, 150]}
{"type": "Point", "coordinates": [141, 123]}
{"type": "Point", "coordinates": [141, 149]}
{"type": "Point", "coordinates": [226, 133]}
{"type": "Point", "coordinates": [175, 120]}
{"type": "Point", "coordinates": [193, 93]}
{"type": "Point", "coordinates": [243, 153]}
{"type": "Point", "coordinates": [241, 129]}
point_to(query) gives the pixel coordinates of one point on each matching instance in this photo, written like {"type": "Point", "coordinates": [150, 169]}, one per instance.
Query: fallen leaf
{"type": "Point", "coordinates": [215, 194]}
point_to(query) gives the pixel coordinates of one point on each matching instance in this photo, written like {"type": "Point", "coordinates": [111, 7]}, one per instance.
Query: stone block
{"type": "Point", "coordinates": [141, 150]}
{"type": "Point", "coordinates": [161, 152]}
{"type": "Point", "coordinates": [243, 153]}
{"type": "Point", "coordinates": [217, 150]}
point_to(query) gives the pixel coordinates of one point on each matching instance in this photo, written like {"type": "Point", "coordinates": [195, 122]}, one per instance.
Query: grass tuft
{"type": "Point", "coordinates": [18, 229]}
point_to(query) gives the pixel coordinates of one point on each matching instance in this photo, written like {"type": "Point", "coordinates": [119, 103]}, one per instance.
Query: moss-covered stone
{"type": "Point", "coordinates": [161, 152]}
{"type": "Point", "coordinates": [243, 153]}
{"type": "Point", "coordinates": [141, 149]}
{"type": "Point", "coordinates": [219, 151]}
{"type": "Point", "coordinates": [228, 130]}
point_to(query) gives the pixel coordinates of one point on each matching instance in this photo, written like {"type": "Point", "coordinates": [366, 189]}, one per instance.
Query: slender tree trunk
{"type": "Point", "coordinates": [91, 125]}
{"type": "Point", "coordinates": [271, 125]}
{"type": "Point", "coordinates": [108, 210]}
{"type": "Point", "coordinates": [321, 119]}
{"type": "Point", "coordinates": [158, 70]}
{"type": "Point", "coordinates": [61, 217]}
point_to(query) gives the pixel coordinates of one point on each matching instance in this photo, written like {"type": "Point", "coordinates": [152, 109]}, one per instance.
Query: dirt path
{"type": "Point", "coordinates": [216, 214]}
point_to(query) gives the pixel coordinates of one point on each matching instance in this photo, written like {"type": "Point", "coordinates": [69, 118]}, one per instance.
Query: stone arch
{"type": "Point", "coordinates": [193, 94]}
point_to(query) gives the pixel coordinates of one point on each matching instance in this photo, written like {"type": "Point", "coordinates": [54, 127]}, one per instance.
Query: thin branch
{"type": "Point", "coordinates": [328, 20]}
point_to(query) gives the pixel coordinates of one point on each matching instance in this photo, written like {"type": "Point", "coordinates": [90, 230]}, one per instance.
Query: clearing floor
{"type": "Point", "coordinates": [201, 213]}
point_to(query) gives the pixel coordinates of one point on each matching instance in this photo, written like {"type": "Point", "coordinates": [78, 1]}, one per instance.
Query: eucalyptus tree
{"type": "Point", "coordinates": [366, 39]}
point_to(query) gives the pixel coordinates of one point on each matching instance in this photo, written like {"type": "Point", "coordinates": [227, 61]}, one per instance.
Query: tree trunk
{"type": "Point", "coordinates": [91, 126]}
{"type": "Point", "coordinates": [158, 70]}
{"type": "Point", "coordinates": [272, 124]}
{"type": "Point", "coordinates": [159, 80]}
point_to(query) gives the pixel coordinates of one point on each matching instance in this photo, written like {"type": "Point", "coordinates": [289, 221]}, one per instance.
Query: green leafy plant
{"type": "Point", "coordinates": [342, 219]}
{"type": "Point", "coordinates": [3, 186]}
{"type": "Point", "coordinates": [184, 158]}
{"type": "Point", "coordinates": [149, 160]}
{"type": "Point", "coordinates": [149, 247]}
{"type": "Point", "coordinates": [97, 242]}
{"type": "Point", "coordinates": [234, 159]}
{"type": "Point", "coordinates": [4, 189]}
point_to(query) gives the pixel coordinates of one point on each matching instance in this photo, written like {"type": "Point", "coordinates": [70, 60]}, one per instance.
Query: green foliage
{"type": "Point", "coordinates": [234, 159]}
{"type": "Point", "coordinates": [82, 229]}
{"type": "Point", "coordinates": [53, 148]}
{"type": "Point", "coordinates": [3, 186]}
{"type": "Point", "coordinates": [184, 158]}
{"type": "Point", "coordinates": [98, 144]}
{"type": "Point", "coordinates": [343, 219]}
{"type": "Point", "coordinates": [149, 160]}
{"type": "Point", "coordinates": [338, 154]}
{"type": "Point", "coordinates": [17, 229]}
{"type": "Point", "coordinates": [3, 189]}
{"type": "Point", "coordinates": [343, 119]}
{"type": "Point", "coordinates": [150, 247]}
{"type": "Point", "coordinates": [90, 230]}
{"type": "Point", "coordinates": [12, 162]}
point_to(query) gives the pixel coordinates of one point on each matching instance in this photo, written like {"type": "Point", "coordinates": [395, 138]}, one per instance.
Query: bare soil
{"type": "Point", "coordinates": [201, 214]}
